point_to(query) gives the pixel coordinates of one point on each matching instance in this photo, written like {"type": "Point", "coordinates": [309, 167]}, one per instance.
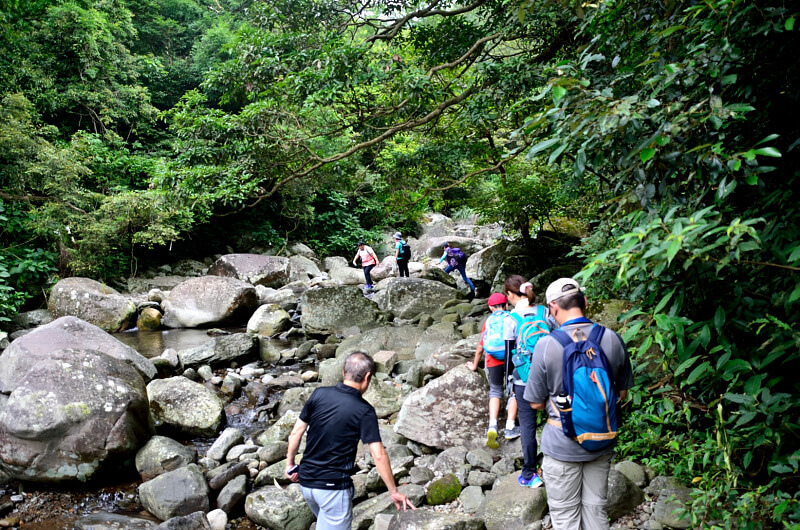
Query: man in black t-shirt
{"type": "Point", "coordinates": [336, 418]}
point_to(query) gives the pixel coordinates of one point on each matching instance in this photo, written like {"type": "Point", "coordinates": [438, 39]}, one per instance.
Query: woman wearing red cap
{"type": "Point", "coordinates": [493, 344]}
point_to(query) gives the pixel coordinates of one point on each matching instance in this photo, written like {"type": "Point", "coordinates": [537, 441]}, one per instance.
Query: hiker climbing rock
{"type": "Point", "coordinates": [456, 260]}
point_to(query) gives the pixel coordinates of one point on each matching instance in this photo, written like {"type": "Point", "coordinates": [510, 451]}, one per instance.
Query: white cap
{"type": "Point", "coordinates": [560, 288]}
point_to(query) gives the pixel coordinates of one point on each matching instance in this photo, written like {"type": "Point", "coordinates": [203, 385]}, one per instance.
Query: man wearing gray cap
{"type": "Point", "coordinates": [575, 471]}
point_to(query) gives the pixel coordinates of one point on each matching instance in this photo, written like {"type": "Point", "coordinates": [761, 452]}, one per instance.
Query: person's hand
{"type": "Point", "coordinates": [291, 473]}
{"type": "Point", "coordinates": [401, 501]}
{"type": "Point", "coordinates": [471, 366]}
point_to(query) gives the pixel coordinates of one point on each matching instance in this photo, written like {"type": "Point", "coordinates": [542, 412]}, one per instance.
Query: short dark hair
{"type": "Point", "coordinates": [571, 301]}
{"type": "Point", "coordinates": [357, 365]}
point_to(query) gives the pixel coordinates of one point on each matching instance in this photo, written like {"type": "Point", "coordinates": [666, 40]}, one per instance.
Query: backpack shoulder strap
{"type": "Point", "coordinates": [596, 335]}
{"type": "Point", "coordinates": [562, 337]}
{"type": "Point", "coordinates": [517, 317]}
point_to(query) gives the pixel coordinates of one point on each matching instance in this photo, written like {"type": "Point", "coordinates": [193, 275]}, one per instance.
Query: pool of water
{"type": "Point", "coordinates": [153, 343]}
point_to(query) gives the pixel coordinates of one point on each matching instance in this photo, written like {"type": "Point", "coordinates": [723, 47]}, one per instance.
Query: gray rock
{"type": "Point", "coordinates": [279, 431]}
{"type": "Point", "coordinates": [175, 493]}
{"type": "Point", "coordinates": [161, 454]}
{"type": "Point", "coordinates": [420, 475]}
{"type": "Point", "coordinates": [471, 499]}
{"type": "Point", "coordinates": [333, 309]}
{"type": "Point", "coordinates": [279, 509]}
{"type": "Point", "coordinates": [70, 414]}
{"type": "Point", "coordinates": [450, 460]}
{"type": "Point", "coordinates": [269, 320]}
{"type": "Point", "coordinates": [217, 519]}
{"type": "Point", "coordinates": [623, 495]}
{"type": "Point", "coordinates": [428, 520]}
{"type": "Point", "coordinates": [232, 494]}
{"type": "Point", "coordinates": [302, 269]}
{"type": "Point", "coordinates": [299, 249]}
{"type": "Point", "coordinates": [509, 506]}
{"type": "Point", "coordinates": [286, 299]}
{"type": "Point", "coordinates": [209, 301]}
{"type": "Point", "coordinates": [364, 513]}
{"type": "Point", "coordinates": [484, 264]}
{"type": "Point", "coordinates": [385, 397]}
{"type": "Point", "coordinates": [113, 521]}
{"type": "Point", "coordinates": [219, 476]}
{"type": "Point", "coordinates": [385, 361]}
{"type": "Point", "coordinates": [480, 459]}
{"type": "Point", "coordinates": [481, 479]}
{"type": "Point", "coordinates": [31, 319]}
{"type": "Point", "coordinates": [673, 504]}
{"type": "Point", "coordinates": [434, 337]}
{"type": "Point", "coordinates": [504, 466]}
{"type": "Point", "coordinates": [330, 371]}
{"type": "Point", "coordinates": [255, 269]}
{"type": "Point", "coordinates": [227, 439]}
{"type": "Point", "coordinates": [447, 412]}
{"type": "Point", "coordinates": [193, 521]}
{"type": "Point", "coordinates": [184, 406]}
{"type": "Point", "coordinates": [61, 334]}
{"type": "Point", "coordinates": [401, 339]}
{"type": "Point", "coordinates": [236, 452]}
{"type": "Point", "coordinates": [205, 372]}
{"type": "Point", "coordinates": [272, 474]}
{"type": "Point", "coordinates": [334, 262]}
{"type": "Point", "coordinates": [408, 297]}
{"type": "Point", "coordinates": [273, 452]}
{"type": "Point", "coordinates": [92, 302]}
{"type": "Point", "coordinates": [449, 356]}
{"type": "Point", "coordinates": [221, 350]}
{"type": "Point", "coordinates": [294, 399]}
{"type": "Point", "coordinates": [633, 471]}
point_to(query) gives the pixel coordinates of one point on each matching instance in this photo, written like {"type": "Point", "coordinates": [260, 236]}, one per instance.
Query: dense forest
{"type": "Point", "coordinates": [133, 131]}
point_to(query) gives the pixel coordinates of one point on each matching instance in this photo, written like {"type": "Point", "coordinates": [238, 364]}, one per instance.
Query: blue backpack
{"type": "Point", "coordinates": [493, 342]}
{"type": "Point", "coordinates": [530, 328]}
{"type": "Point", "coordinates": [590, 418]}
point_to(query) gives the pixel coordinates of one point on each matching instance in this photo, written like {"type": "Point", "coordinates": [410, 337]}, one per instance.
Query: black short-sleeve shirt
{"type": "Point", "coordinates": [337, 417]}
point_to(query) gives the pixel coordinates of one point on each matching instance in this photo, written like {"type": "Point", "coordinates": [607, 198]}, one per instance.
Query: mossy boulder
{"type": "Point", "coordinates": [443, 490]}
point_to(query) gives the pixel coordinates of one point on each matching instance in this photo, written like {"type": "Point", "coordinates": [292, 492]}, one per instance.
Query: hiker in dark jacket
{"type": "Point", "coordinates": [456, 260]}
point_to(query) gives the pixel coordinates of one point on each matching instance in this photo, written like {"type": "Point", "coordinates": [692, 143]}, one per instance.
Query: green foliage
{"type": "Point", "coordinates": [525, 194]}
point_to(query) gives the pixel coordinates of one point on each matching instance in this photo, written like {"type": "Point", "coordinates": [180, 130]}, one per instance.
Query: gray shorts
{"type": "Point", "coordinates": [332, 508]}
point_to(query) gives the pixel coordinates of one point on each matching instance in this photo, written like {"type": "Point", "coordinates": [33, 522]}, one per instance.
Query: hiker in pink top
{"type": "Point", "coordinates": [368, 261]}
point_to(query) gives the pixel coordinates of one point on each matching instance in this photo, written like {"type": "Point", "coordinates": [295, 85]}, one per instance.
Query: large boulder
{"type": "Point", "coordinates": [623, 495]}
{"type": "Point", "coordinates": [209, 301]}
{"type": "Point", "coordinates": [333, 309]}
{"type": "Point", "coordinates": [185, 407]}
{"type": "Point", "coordinates": [432, 246]}
{"type": "Point", "coordinates": [64, 333]}
{"type": "Point", "coordinates": [72, 413]}
{"type": "Point", "coordinates": [508, 506]}
{"type": "Point", "coordinates": [161, 454]}
{"type": "Point", "coordinates": [408, 297]}
{"type": "Point", "coordinates": [93, 302]}
{"type": "Point", "coordinates": [484, 264]}
{"type": "Point", "coordinates": [347, 275]}
{"type": "Point", "coordinates": [279, 509]}
{"type": "Point", "coordinates": [175, 493]}
{"type": "Point", "coordinates": [450, 356]}
{"type": "Point", "coordinates": [302, 269]}
{"type": "Point", "coordinates": [402, 339]}
{"type": "Point", "coordinates": [448, 411]}
{"type": "Point", "coordinates": [221, 350]}
{"type": "Point", "coordinates": [435, 338]}
{"type": "Point", "coordinates": [269, 320]}
{"type": "Point", "coordinates": [255, 269]}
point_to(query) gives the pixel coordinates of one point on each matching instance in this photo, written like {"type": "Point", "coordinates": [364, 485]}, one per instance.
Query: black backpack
{"type": "Point", "coordinates": [405, 251]}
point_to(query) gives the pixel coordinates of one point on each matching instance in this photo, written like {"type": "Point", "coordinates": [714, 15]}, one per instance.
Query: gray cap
{"type": "Point", "coordinates": [398, 235]}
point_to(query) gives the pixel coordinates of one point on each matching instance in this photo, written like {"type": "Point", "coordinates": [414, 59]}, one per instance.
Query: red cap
{"type": "Point", "coordinates": [497, 299]}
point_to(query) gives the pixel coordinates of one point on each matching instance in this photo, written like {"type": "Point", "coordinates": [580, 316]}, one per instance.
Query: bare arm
{"type": "Point", "coordinates": [537, 406]}
{"type": "Point", "coordinates": [385, 471]}
{"type": "Point", "coordinates": [295, 436]}
{"type": "Point", "coordinates": [478, 354]}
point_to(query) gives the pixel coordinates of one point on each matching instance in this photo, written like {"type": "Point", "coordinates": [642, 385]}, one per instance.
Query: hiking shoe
{"type": "Point", "coordinates": [491, 438]}
{"type": "Point", "coordinates": [511, 434]}
{"type": "Point", "coordinates": [533, 482]}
